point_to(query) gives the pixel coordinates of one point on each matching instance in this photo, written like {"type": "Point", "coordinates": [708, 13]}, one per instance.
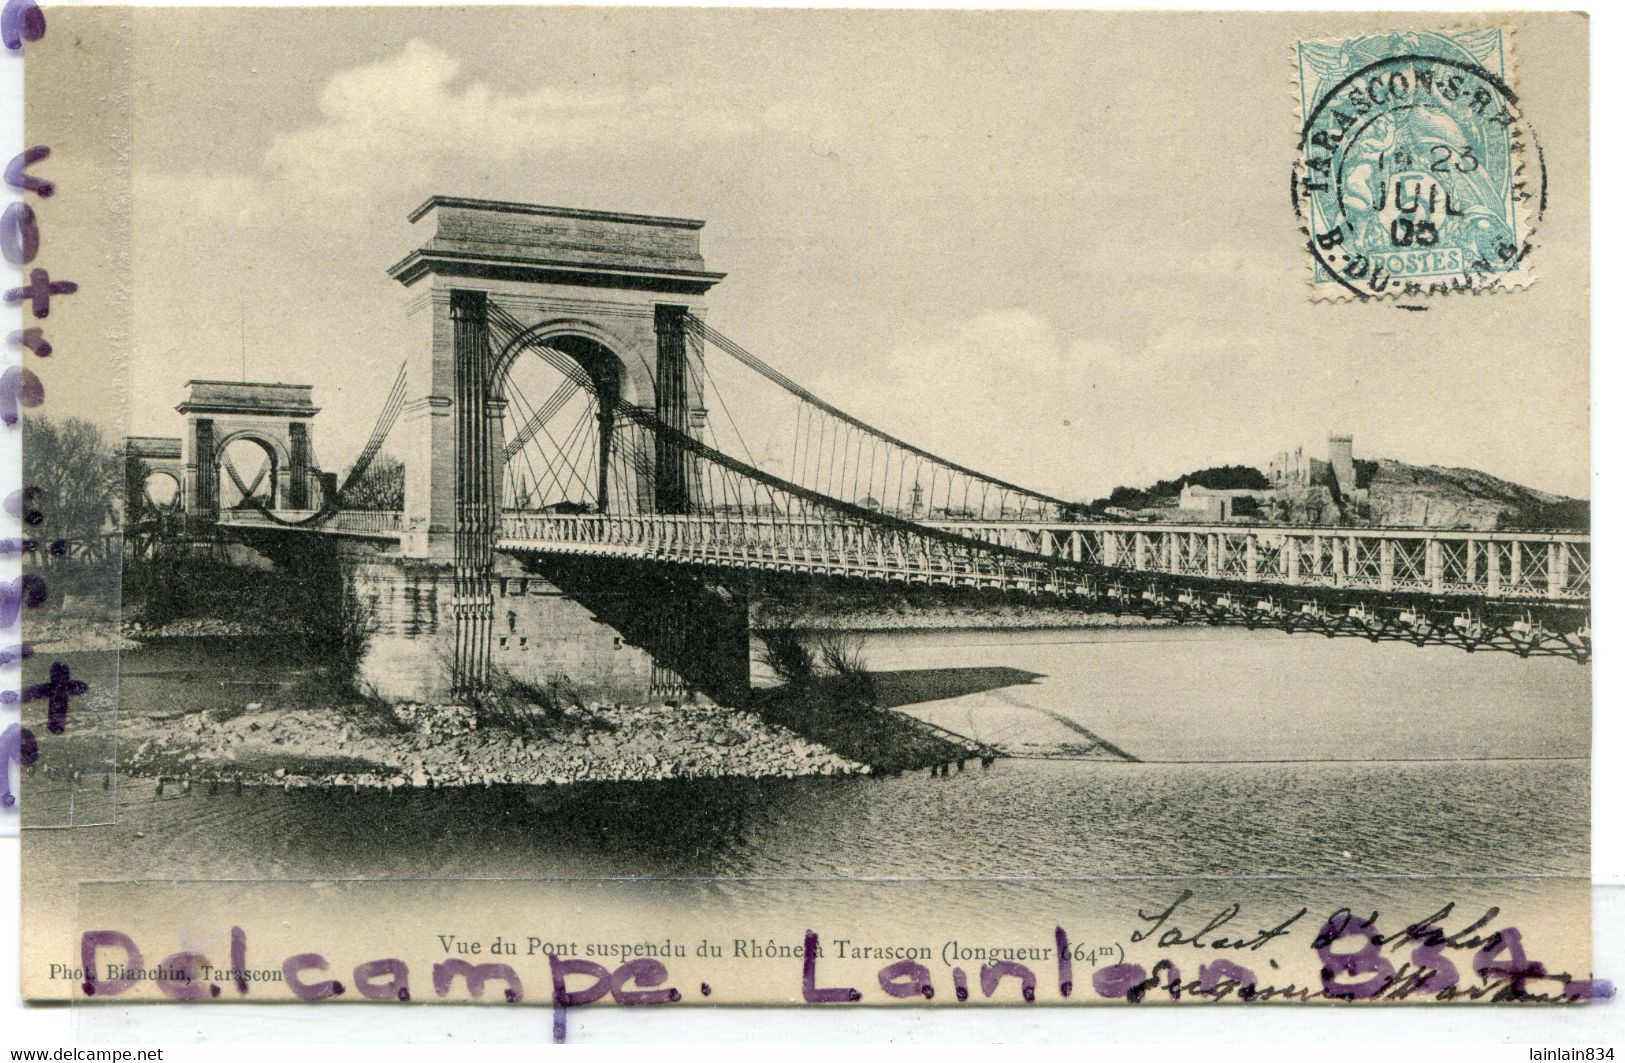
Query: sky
{"type": "Point", "coordinates": [1055, 247]}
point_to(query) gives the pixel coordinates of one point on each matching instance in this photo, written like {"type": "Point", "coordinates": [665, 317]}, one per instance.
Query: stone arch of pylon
{"type": "Point", "coordinates": [491, 279]}
{"type": "Point", "coordinates": [275, 416]}
{"type": "Point", "coordinates": [623, 342]}
{"type": "Point", "coordinates": [600, 351]}
{"type": "Point", "coordinates": [174, 476]}
{"type": "Point", "coordinates": [154, 456]}
{"type": "Point", "coordinates": [275, 449]}
{"type": "Point", "coordinates": [487, 280]}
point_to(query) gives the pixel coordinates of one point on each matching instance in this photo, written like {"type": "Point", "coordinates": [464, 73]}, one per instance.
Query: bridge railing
{"type": "Point", "coordinates": [350, 521]}
{"type": "Point", "coordinates": [1536, 566]}
{"type": "Point", "coordinates": [367, 520]}
{"type": "Point", "coordinates": [1549, 566]}
{"type": "Point", "coordinates": [1513, 592]}
{"type": "Point", "coordinates": [786, 543]}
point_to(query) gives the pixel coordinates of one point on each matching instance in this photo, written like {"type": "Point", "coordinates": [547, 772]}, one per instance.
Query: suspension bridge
{"type": "Point", "coordinates": [562, 407]}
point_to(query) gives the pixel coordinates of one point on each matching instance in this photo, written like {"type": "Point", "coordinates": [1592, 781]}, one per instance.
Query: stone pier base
{"type": "Point", "coordinates": [612, 632]}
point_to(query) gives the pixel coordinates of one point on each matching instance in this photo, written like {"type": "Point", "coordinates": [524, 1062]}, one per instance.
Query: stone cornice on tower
{"type": "Point", "coordinates": [496, 240]}
{"type": "Point", "coordinates": [254, 397]}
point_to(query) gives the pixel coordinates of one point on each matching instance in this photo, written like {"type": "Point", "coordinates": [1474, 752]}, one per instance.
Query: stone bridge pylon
{"type": "Point", "coordinates": [275, 418]}
{"type": "Point", "coordinates": [611, 290]}
{"type": "Point", "coordinates": [488, 282]}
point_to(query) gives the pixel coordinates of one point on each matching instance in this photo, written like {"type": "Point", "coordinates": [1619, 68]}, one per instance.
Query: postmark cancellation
{"type": "Point", "coordinates": [1417, 175]}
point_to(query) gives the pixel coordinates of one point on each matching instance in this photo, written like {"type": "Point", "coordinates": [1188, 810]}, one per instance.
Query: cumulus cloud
{"type": "Point", "coordinates": [291, 252]}
{"type": "Point", "coordinates": [382, 118]}
{"type": "Point", "coordinates": [387, 131]}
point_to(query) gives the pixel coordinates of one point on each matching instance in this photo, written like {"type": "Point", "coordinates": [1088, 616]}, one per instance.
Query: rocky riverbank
{"type": "Point", "coordinates": [59, 633]}
{"type": "Point", "coordinates": [66, 634]}
{"type": "Point", "coordinates": [443, 745]}
{"type": "Point", "coordinates": [191, 627]}
{"type": "Point", "coordinates": [53, 633]}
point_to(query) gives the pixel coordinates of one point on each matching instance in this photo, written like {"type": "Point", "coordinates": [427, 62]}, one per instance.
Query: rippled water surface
{"type": "Point", "coordinates": [1189, 694]}
{"type": "Point", "coordinates": [1262, 758]}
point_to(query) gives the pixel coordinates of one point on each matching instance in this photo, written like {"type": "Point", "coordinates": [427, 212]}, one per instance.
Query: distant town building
{"type": "Point", "coordinates": [1292, 468]}
{"type": "Point", "coordinates": [1289, 468]}
{"type": "Point", "coordinates": [1342, 461]}
{"type": "Point", "coordinates": [1215, 504]}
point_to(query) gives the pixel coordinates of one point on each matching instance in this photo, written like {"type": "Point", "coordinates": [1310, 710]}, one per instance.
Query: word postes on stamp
{"type": "Point", "coordinates": [1417, 174]}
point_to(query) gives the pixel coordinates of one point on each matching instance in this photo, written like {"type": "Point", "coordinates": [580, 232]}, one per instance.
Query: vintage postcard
{"type": "Point", "coordinates": [568, 506]}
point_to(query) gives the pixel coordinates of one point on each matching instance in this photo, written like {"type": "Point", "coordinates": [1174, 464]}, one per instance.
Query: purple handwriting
{"type": "Point", "coordinates": [55, 692]}
{"type": "Point", "coordinates": [22, 21]}
{"type": "Point", "coordinates": [189, 975]}
{"type": "Point", "coordinates": [17, 745]}
{"type": "Point", "coordinates": [1350, 951]}
{"type": "Point", "coordinates": [1354, 957]}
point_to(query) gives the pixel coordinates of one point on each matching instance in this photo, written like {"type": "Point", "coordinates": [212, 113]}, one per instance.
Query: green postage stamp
{"type": "Point", "coordinates": [1417, 174]}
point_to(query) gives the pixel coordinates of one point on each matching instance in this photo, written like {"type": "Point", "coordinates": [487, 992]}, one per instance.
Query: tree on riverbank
{"type": "Point", "coordinates": [75, 479]}
{"type": "Point", "coordinates": [307, 606]}
{"type": "Point", "coordinates": [382, 486]}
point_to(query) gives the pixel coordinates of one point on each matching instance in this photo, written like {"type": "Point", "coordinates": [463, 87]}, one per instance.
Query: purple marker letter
{"type": "Point", "coordinates": [17, 743]}
{"type": "Point", "coordinates": [293, 966]}
{"type": "Point", "coordinates": [809, 979]}
{"type": "Point", "coordinates": [905, 979]}
{"type": "Point", "coordinates": [98, 939]}
{"type": "Point", "coordinates": [368, 975]}
{"type": "Point", "coordinates": [476, 977]}
{"type": "Point", "coordinates": [189, 986]}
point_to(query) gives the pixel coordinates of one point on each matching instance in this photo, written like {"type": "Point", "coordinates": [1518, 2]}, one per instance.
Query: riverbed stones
{"type": "Point", "coordinates": [349, 745]}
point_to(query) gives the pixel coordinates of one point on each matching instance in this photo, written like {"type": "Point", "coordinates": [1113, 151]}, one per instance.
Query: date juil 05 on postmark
{"type": "Point", "coordinates": [1418, 175]}
{"type": "Point", "coordinates": [591, 506]}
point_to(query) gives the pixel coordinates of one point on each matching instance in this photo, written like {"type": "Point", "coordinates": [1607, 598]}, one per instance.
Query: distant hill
{"type": "Point", "coordinates": [1436, 497]}
{"type": "Point", "coordinates": [1395, 493]}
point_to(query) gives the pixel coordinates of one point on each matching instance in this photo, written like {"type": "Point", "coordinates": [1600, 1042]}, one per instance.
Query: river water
{"type": "Point", "coordinates": [1231, 695]}
{"type": "Point", "coordinates": [1256, 757]}
{"type": "Point", "coordinates": [1272, 777]}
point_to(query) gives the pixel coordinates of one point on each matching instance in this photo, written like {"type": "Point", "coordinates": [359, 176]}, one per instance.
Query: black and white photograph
{"type": "Point", "coordinates": [669, 506]}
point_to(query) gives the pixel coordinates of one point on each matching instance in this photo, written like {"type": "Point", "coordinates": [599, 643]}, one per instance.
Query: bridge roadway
{"type": "Point", "coordinates": [1538, 566]}
{"type": "Point", "coordinates": [1524, 591]}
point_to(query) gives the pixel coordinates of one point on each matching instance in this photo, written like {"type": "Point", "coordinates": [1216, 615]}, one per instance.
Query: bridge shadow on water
{"type": "Point", "coordinates": [917, 686]}
{"type": "Point", "coordinates": [911, 686]}
{"type": "Point", "coordinates": [853, 715]}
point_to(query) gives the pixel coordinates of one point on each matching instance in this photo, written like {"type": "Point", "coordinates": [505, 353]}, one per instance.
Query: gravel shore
{"type": "Point", "coordinates": [424, 746]}
{"type": "Point", "coordinates": [821, 729]}
{"type": "Point", "coordinates": [78, 634]}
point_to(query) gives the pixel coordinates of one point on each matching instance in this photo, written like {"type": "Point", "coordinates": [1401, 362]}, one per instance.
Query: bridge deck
{"type": "Point", "coordinates": [373, 524]}
{"type": "Point", "coordinates": [1551, 567]}
{"type": "Point", "coordinates": [1538, 566]}
{"type": "Point", "coordinates": [1528, 592]}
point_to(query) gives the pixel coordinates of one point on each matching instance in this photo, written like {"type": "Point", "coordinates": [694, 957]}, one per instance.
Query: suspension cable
{"type": "Point", "coordinates": [387, 417]}
{"type": "Point", "coordinates": [744, 357]}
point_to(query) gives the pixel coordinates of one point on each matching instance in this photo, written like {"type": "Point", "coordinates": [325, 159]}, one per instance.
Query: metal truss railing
{"type": "Point", "coordinates": [1536, 566]}
{"type": "Point", "coordinates": [1222, 592]}
{"type": "Point", "coordinates": [791, 544]}
{"type": "Point", "coordinates": [343, 522]}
